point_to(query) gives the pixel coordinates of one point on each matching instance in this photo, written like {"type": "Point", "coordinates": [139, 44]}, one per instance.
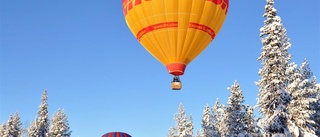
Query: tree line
{"type": "Point", "coordinates": [288, 98]}
{"type": "Point", "coordinates": [41, 126]}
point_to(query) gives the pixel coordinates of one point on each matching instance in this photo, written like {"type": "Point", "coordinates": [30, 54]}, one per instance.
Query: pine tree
{"type": "Point", "coordinates": [10, 129]}
{"type": "Point", "coordinates": [181, 121]}
{"type": "Point", "coordinates": [251, 123]}
{"type": "Point", "coordinates": [312, 90]}
{"type": "Point", "coordinates": [183, 126]}
{"type": "Point", "coordinates": [218, 119]}
{"type": "Point", "coordinates": [40, 126]}
{"type": "Point", "coordinates": [236, 113]}
{"type": "Point", "coordinates": [3, 129]}
{"type": "Point", "coordinates": [17, 126]}
{"type": "Point", "coordinates": [273, 97]}
{"type": "Point", "coordinates": [13, 127]}
{"type": "Point", "coordinates": [198, 134]}
{"type": "Point", "coordinates": [172, 132]}
{"type": "Point", "coordinates": [60, 125]}
{"type": "Point", "coordinates": [189, 128]}
{"type": "Point", "coordinates": [303, 94]}
{"type": "Point", "coordinates": [316, 106]}
{"type": "Point", "coordinates": [33, 129]}
{"type": "Point", "coordinates": [207, 123]}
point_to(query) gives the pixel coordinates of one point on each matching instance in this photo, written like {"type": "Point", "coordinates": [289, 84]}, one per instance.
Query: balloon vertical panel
{"type": "Point", "coordinates": [201, 22]}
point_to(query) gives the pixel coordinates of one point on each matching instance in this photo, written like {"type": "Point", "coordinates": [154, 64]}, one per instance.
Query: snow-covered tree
{"type": "Point", "coordinates": [184, 127]}
{"type": "Point", "coordinates": [311, 89]}
{"type": "Point", "coordinates": [303, 93]}
{"type": "Point", "coordinates": [316, 106]}
{"type": "Point", "coordinates": [3, 129]}
{"type": "Point", "coordinates": [190, 127]}
{"type": "Point", "coordinates": [172, 132]}
{"type": "Point", "coordinates": [33, 129]}
{"type": "Point", "coordinates": [198, 133]}
{"type": "Point", "coordinates": [273, 98]}
{"type": "Point", "coordinates": [9, 128]}
{"type": "Point", "coordinates": [17, 125]}
{"type": "Point", "coordinates": [40, 126]}
{"type": "Point", "coordinates": [236, 114]}
{"type": "Point", "coordinates": [207, 128]}
{"type": "Point", "coordinates": [13, 128]}
{"type": "Point", "coordinates": [60, 125]}
{"type": "Point", "coordinates": [218, 119]}
{"type": "Point", "coordinates": [251, 123]}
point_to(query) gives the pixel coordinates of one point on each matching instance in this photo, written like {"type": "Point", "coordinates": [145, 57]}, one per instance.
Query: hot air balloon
{"type": "Point", "coordinates": [116, 134]}
{"type": "Point", "coordinates": [175, 31]}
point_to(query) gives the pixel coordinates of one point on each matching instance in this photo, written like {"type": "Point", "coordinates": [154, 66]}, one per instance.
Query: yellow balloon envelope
{"type": "Point", "coordinates": [175, 31]}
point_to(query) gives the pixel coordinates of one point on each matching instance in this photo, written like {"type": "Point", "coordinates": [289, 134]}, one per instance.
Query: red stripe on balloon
{"type": "Point", "coordinates": [163, 25]}
{"type": "Point", "coordinates": [156, 27]}
{"type": "Point", "coordinates": [203, 28]}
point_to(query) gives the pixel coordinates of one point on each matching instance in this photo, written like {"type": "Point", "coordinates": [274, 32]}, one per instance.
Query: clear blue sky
{"type": "Point", "coordinates": [84, 55]}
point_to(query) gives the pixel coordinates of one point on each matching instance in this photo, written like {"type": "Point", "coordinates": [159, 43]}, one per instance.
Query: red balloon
{"type": "Point", "coordinates": [116, 134]}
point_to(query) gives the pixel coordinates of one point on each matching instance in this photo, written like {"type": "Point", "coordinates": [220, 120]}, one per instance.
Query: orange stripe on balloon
{"type": "Point", "coordinates": [163, 25]}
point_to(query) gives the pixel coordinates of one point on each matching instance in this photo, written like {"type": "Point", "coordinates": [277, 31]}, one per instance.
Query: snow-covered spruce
{"type": "Point", "coordinates": [40, 126]}
{"type": "Point", "coordinates": [316, 106]}
{"type": "Point", "coordinates": [303, 93]}
{"type": "Point", "coordinates": [184, 126]}
{"type": "Point", "coordinates": [207, 127]}
{"type": "Point", "coordinates": [13, 128]}
{"type": "Point", "coordinates": [273, 98]}
{"type": "Point", "coordinates": [3, 129]}
{"type": "Point", "coordinates": [236, 117]}
{"type": "Point", "coordinates": [218, 111]}
{"type": "Point", "coordinates": [60, 125]}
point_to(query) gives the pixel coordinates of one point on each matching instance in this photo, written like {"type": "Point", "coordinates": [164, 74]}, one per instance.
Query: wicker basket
{"type": "Point", "coordinates": [176, 85]}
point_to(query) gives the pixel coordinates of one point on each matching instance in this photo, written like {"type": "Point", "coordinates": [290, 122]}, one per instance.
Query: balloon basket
{"type": "Point", "coordinates": [176, 85]}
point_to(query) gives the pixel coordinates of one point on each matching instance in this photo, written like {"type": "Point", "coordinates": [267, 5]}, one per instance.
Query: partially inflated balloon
{"type": "Point", "coordinates": [175, 31]}
{"type": "Point", "coordinates": [116, 134]}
